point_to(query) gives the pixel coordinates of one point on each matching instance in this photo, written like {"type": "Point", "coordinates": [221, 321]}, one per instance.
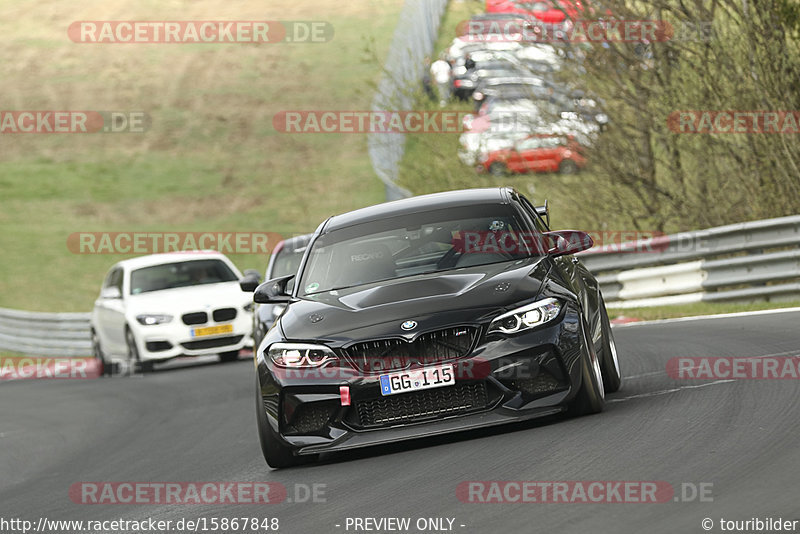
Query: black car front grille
{"type": "Point", "coordinates": [311, 417]}
{"type": "Point", "coordinates": [397, 354]}
{"type": "Point", "coordinates": [212, 343]}
{"type": "Point", "coordinates": [224, 314]}
{"type": "Point", "coordinates": [542, 383]}
{"type": "Point", "coordinates": [422, 405]}
{"type": "Point", "coordinates": [158, 346]}
{"type": "Point", "coordinates": [195, 318]}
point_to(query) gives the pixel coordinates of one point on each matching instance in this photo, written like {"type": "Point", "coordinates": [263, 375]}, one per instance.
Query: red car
{"type": "Point", "coordinates": [537, 153]}
{"type": "Point", "coordinates": [542, 10]}
{"type": "Point", "coordinates": [547, 11]}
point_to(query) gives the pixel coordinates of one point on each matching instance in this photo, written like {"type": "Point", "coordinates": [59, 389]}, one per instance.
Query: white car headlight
{"type": "Point", "coordinates": [527, 317]}
{"type": "Point", "coordinates": [153, 318]}
{"type": "Point", "coordinates": [299, 355]}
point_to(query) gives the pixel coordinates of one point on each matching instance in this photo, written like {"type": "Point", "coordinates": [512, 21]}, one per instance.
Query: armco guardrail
{"type": "Point", "coordinates": [757, 260]}
{"type": "Point", "coordinates": [413, 40]}
{"type": "Point", "coordinates": [749, 261]}
{"type": "Point", "coordinates": [45, 334]}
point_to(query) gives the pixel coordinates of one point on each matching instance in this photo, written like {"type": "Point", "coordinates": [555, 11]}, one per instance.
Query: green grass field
{"type": "Point", "coordinates": [211, 161]}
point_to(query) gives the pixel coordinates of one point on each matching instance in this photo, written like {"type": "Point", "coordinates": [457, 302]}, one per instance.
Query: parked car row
{"type": "Point", "coordinates": [530, 112]}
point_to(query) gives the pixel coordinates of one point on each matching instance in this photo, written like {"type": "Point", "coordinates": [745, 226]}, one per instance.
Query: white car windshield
{"type": "Point", "coordinates": [180, 274]}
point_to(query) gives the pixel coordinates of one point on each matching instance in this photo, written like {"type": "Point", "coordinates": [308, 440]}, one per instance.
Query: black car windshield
{"type": "Point", "coordinates": [414, 244]}
{"type": "Point", "coordinates": [180, 274]}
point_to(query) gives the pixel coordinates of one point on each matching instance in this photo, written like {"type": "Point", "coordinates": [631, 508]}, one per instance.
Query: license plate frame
{"type": "Point", "coordinates": [430, 377]}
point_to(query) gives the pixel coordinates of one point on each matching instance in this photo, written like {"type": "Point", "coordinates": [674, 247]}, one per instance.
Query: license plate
{"type": "Point", "coordinates": [425, 378]}
{"type": "Point", "coordinates": [212, 330]}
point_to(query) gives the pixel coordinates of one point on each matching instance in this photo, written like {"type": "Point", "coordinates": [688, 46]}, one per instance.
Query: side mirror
{"type": "Point", "coordinates": [110, 293]}
{"type": "Point", "coordinates": [544, 212]}
{"type": "Point", "coordinates": [273, 291]}
{"type": "Point", "coordinates": [565, 242]}
{"type": "Point", "coordinates": [250, 280]}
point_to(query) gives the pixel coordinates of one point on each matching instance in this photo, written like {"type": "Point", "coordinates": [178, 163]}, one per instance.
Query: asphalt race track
{"type": "Point", "coordinates": [196, 423]}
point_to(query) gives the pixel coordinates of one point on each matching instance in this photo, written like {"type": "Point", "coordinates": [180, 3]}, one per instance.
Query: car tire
{"type": "Point", "coordinates": [498, 169]}
{"type": "Point", "coordinates": [229, 356]}
{"type": "Point", "coordinates": [134, 359]}
{"type": "Point", "coordinates": [100, 359]}
{"type": "Point", "coordinates": [609, 361]}
{"type": "Point", "coordinates": [275, 453]}
{"type": "Point", "coordinates": [591, 396]}
{"type": "Point", "coordinates": [568, 167]}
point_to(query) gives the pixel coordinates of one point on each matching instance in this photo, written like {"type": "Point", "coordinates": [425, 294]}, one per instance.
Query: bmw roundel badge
{"type": "Point", "coordinates": [409, 325]}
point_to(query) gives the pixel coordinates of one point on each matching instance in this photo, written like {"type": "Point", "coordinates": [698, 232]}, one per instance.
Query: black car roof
{"type": "Point", "coordinates": [448, 199]}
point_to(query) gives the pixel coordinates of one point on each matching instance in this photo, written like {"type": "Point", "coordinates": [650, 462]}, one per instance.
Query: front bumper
{"type": "Point", "coordinates": [170, 340]}
{"type": "Point", "coordinates": [502, 380]}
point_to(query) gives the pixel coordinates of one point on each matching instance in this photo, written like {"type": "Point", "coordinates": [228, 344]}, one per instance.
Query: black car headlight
{"type": "Point", "coordinates": [299, 355]}
{"type": "Point", "coordinates": [526, 317]}
{"type": "Point", "coordinates": [153, 318]}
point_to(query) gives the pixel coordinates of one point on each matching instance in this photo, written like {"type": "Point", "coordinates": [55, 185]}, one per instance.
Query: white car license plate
{"type": "Point", "coordinates": [212, 330]}
{"type": "Point", "coordinates": [425, 378]}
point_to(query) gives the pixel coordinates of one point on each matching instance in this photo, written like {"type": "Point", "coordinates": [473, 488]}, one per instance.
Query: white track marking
{"type": "Point", "coordinates": [703, 317]}
{"type": "Point", "coordinates": [673, 390]}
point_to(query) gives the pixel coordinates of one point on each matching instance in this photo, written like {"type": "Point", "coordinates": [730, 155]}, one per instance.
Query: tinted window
{"type": "Point", "coordinates": [114, 279]}
{"type": "Point", "coordinates": [287, 262]}
{"type": "Point", "coordinates": [410, 245]}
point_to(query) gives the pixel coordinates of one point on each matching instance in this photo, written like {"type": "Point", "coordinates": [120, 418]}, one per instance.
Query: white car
{"type": "Point", "coordinates": [161, 306]}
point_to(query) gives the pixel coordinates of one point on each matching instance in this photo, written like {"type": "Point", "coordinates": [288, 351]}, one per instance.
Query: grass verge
{"type": "Point", "coordinates": [211, 160]}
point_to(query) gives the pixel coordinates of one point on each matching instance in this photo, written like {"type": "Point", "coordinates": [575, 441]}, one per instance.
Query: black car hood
{"type": "Point", "coordinates": [434, 301]}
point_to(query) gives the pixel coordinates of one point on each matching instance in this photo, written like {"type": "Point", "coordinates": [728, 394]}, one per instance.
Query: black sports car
{"type": "Point", "coordinates": [429, 315]}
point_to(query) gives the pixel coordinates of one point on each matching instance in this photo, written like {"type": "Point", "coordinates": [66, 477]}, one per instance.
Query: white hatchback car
{"type": "Point", "coordinates": [161, 306]}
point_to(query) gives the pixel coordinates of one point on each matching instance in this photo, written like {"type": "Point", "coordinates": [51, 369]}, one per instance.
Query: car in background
{"type": "Point", "coordinates": [284, 260]}
{"type": "Point", "coordinates": [461, 46]}
{"type": "Point", "coordinates": [405, 323]}
{"type": "Point", "coordinates": [512, 88]}
{"type": "Point", "coordinates": [523, 115]}
{"type": "Point", "coordinates": [547, 11]}
{"type": "Point", "coordinates": [158, 307]}
{"type": "Point", "coordinates": [464, 85]}
{"type": "Point", "coordinates": [475, 145]}
{"type": "Point", "coordinates": [537, 153]}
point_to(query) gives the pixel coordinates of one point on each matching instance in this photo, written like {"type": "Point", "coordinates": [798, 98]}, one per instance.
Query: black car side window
{"type": "Point", "coordinates": [537, 221]}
